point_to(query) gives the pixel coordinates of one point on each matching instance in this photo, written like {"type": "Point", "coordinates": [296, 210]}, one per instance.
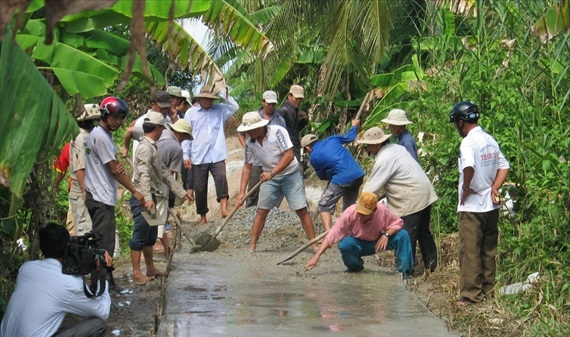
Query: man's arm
{"type": "Point", "coordinates": [287, 158]}
{"type": "Point", "coordinates": [499, 181]}
{"type": "Point", "coordinates": [245, 174]}
{"type": "Point", "coordinates": [231, 106]}
{"type": "Point", "coordinates": [115, 168]}
{"type": "Point", "coordinates": [350, 136]}
{"type": "Point", "coordinates": [127, 139]}
{"type": "Point", "coordinates": [312, 263]}
{"type": "Point", "coordinates": [241, 138]}
{"type": "Point", "coordinates": [468, 173]}
{"type": "Point", "coordinates": [80, 174]}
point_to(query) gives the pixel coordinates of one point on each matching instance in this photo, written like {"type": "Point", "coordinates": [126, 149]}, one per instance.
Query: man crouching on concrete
{"type": "Point", "coordinates": [367, 228]}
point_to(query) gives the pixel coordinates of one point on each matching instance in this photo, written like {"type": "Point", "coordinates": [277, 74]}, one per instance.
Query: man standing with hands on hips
{"type": "Point", "coordinates": [482, 171]}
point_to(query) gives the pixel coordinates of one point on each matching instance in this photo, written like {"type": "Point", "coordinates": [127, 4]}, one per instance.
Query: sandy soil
{"type": "Point", "coordinates": [137, 310]}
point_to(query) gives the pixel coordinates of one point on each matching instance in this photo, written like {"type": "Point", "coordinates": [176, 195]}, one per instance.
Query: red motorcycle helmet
{"type": "Point", "coordinates": [113, 106]}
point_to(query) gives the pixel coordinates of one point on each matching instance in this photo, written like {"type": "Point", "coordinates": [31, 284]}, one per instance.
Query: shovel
{"type": "Point", "coordinates": [302, 248]}
{"type": "Point", "coordinates": [208, 242]}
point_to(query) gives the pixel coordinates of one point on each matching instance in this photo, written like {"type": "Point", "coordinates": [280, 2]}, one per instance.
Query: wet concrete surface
{"type": "Point", "coordinates": [249, 295]}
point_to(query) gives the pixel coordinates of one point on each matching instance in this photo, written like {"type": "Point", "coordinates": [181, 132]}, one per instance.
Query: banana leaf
{"type": "Point", "coordinates": [34, 120]}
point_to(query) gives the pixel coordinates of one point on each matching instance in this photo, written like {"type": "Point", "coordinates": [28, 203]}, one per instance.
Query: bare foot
{"type": "Point", "coordinates": [225, 213]}
{"type": "Point", "coordinates": [251, 249]}
{"type": "Point", "coordinates": [315, 248]}
{"type": "Point", "coordinates": [141, 279]}
{"type": "Point", "coordinates": [203, 220]}
{"type": "Point", "coordinates": [154, 273]}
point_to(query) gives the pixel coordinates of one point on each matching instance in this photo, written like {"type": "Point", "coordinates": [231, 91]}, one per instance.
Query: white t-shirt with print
{"type": "Point", "coordinates": [481, 152]}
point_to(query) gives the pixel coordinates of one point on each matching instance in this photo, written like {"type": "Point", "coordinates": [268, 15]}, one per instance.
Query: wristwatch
{"type": "Point", "coordinates": [386, 234]}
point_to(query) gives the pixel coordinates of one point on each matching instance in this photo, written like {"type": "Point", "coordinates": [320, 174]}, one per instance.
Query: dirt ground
{"type": "Point", "coordinates": [136, 311]}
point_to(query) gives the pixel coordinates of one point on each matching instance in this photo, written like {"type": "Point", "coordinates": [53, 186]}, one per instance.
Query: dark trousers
{"type": "Point", "coordinates": [478, 235]}
{"type": "Point", "coordinates": [417, 226]}
{"type": "Point", "coordinates": [200, 174]}
{"type": "Point", "coordinates": [104, 224]}
{"type": "Point", "coordinates": [90, 327]}
{"type": "Point", "coordinates": [187, 178]}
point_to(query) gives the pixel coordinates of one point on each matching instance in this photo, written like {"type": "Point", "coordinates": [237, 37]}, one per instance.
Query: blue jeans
{"type": "Point", "coordinates": [352, 250]}
{"type": "Point", "coordinates": [143, 234]}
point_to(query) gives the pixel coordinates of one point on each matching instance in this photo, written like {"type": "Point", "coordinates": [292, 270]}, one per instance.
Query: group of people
{"type": "Point", "coordinates": [366, 226]}
{"type": "Point", "coordinates": [176, 136]}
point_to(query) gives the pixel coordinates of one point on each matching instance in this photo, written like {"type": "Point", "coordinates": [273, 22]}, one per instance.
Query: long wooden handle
{"type": "Point", "coordinates": [227, 219]}
{"type": "Point", "coordinates": [302, 248]}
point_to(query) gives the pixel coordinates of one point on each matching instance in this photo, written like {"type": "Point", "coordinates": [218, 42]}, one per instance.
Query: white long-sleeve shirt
{"type": "Point", "coordinates": [43, 296]}
{"type": "Point", "coordinates": [209, 144]}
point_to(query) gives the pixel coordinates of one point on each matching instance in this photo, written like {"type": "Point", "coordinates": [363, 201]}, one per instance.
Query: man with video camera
{"type": "Point", "coordinates": [44, 294]}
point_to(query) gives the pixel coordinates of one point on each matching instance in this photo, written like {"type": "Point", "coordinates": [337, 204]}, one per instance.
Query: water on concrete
{"type": "Point", "coordinates": [231, 297]}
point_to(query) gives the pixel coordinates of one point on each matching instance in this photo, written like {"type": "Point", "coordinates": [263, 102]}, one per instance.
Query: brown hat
{"type": "Point", "coordinates": [206, 92]}
{"type": "Point", "coordinates": [367, 203]}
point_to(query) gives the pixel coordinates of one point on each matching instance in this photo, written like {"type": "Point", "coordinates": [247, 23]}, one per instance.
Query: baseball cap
{"type": "Point", "coordinates": [308, 139]}
{"type": "Point", "coordinates": [297, 91]}
{"type": "Point", "coordinates": [153, 117]}
{"type": "Point", "coordinates": [367, 203]}
{"type": "Point", "coordinates": [174, 91]}
{"type": "Point", "coordinates": [162, 99]}
{"type": "Point", "coordinates": [270, 97]}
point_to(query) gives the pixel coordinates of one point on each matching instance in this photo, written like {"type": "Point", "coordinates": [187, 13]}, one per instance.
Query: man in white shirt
{"type": "Point", "coordinates": [271, 145]}
{"type": "Point", "coordinates": [267, 111]}
{"type": "Point", "coordinates": [207, 153]}
{"type": "Point", "coordinates": [409, 193]}
{"type": "Point", "coordinates": [482, 171]}
{"type": "Point", "coordinates": [44, 295]}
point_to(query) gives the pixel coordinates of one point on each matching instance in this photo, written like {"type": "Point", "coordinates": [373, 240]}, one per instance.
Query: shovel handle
{"type": "Point", "coordinates": [302, 248]}
{"type": "Point", "coordinates": [227, 219]}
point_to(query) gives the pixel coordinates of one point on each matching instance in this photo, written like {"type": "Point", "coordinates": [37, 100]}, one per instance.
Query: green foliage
{"type": "Point", "coordinates": [522, 88]}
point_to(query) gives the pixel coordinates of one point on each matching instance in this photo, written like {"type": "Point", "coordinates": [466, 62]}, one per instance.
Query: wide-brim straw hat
{"type": "Point", "coordinates": [374, 135]}
{"type": "Point", "coordinates": [251, 121]}
{"type": "Point", "coordinates": [91, 112]}
{"type": "Point", "coordinates": [397, 117]}
{"type": "Point", "coordinates": [206, 92]}
{"type": "Point", "coordinates": [182, 126]}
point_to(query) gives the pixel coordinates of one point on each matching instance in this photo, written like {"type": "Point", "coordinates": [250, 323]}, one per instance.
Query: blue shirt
{"type": "Point", "coordinates": [407, 140]}
{"type": "Point", "coordinates": [333, 162]}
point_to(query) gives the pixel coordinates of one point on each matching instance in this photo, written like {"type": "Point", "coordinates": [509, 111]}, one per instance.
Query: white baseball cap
{"type": "Point", "coordinates": [270, 97]}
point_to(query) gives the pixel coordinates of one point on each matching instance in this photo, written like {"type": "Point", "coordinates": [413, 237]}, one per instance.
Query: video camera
{"type": "Point", "coordinates": [82, 253]}
{"type": "Point", "coordinates": [81, 256]}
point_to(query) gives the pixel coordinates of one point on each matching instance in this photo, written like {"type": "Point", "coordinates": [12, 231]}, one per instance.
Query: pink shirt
{"type": "Point", "coordinates": [349, 224]}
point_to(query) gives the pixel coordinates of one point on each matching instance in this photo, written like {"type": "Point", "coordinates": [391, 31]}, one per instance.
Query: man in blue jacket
{"type": "Point", "coordinates": [333, 162]}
